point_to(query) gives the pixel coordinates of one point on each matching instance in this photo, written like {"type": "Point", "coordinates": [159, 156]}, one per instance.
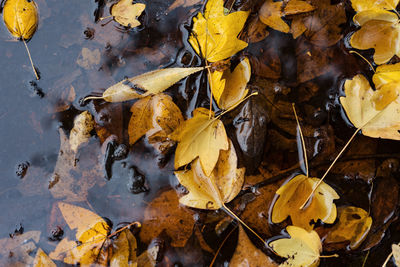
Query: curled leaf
{"type": "Point", "coordinates": [21, 18]}
{"type": "Point", "coordinates": [126, 13]}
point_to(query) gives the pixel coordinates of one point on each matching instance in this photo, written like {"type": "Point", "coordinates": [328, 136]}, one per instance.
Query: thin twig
{"type": "Point", "coordinates": [220, 246]}
{"type": "Point", "coordinates": [303, 144]}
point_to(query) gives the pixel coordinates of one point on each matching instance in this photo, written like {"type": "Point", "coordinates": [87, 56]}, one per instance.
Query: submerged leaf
{"type": "Point", "coordinates": [201, 137]}
{"type": "Point", "coordinates": [361, 105]}
{"type": "Point", "coordinates": [211, 192]}
{"type": "Point", "coordinates": [353, 226]}
{"type": "Point", "coordinates": [42, 260]}
{"type": "Point", "coordinates": [126, 13]}
{"type": "Point", "coordinates": [146, 84]}
{"type": "Point", "coordinates": [214, 34]}
{"type": "Point", "coordinates": [301, 249]}
{"type": "Point", "coordinates": [80, 133]}
{"type": "Point", "coordinates": [293, 194]}
{"type": "Point", "coordinates": [21, 18]}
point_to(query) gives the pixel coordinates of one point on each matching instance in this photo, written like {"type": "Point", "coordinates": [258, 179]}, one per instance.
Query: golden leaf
{"type": "Point", "coordinates": [297, 6]}
{"type": "Point", "coordinates": [387, 81]}
{"type": "Point", "coordinates": [156, 117]}
{"type": "Point", "coordinates": [211, 192]}
{"type": "Point", "coordinates": [362, 5]}
{"type": "Point", "coordinates": [201, 137]}
{"type": "Point", "coordinates": [42, 260]}
{"type": "Point", "coordinates": [271, 13]}
{"type": "Point", "coordinates": [228, 87]}
{"type": "Point", "coordinates": [124, 250]}
{"type": "Point", "coordinates": [246, 254]}
{"type": "Point", "coordinates": [361, 106]}
{"type": "Point", "coordinates": [146, 84]}
{"type": "Point", "coordinates": [21, 18]}
{"type": "Point", "coordinates": [293, 194]}
{"type": "Point", "coordinates": [353, 225]}
{"type": "Point", "coordinates": [301, 249]}
{"type": "Point", "coordinates": [126, 13]}
{"type": "Point", "coordinates": [80, 133]}
{"type": "Point", "coordinates": [214, 35]}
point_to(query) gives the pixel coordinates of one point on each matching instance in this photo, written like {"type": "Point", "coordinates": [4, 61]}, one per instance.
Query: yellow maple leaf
{"type": "Point", "coordinates": [303, 248]}
{"type": "Point", "coordinates": [42, 260]}
{"type": "Point", "coordinates": [21, 18]}
{"type": "Point", "coordinates": [126, 13]}
{"type": "Point", "coordinates": [212, 191]}
{"type": "Point", "coordinates": [230, 87]}
{"type": "Point", "coordinates": [214, 34]}
{"type": "Point", "coordinates": [387, 81]}
{"type": "Point", "coordinates": [361, 105]}
{"type": "Point", "coordinates": [156, 117]}
{"type": "Point", "coordinates": [353, 226]}
{"type": "Point", "coordinates": [380, 29]}
{"type": "Point", "coordinates": [294, 193]}
{"type": "Point", "coordinates": [200, 136]}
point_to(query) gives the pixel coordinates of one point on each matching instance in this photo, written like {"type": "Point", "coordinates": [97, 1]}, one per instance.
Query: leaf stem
{"type": "Point", "coordinates": [231, 213]}
{"type": "Point", "coordinates": [303, 144]}
{"type": "Point", "coordinates": [222, 244]}
{"type": "Point", "coordinates": [92, 98]}
{"type": "Point", "coordinates": [361, 56]}
{"type": "Point", "coordinates": [103, 18]}
{"type": "Point", "coordinates": [329, 256]}
{"type": "Point", "coordinates": [30, 59]}
{"type": "Point", "coordinates": [330, 167]}
{"type": "Point", "coordinates": [235, 105]}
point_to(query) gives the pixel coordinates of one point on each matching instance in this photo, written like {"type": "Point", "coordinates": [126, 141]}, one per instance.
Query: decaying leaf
{"type": "Point", "coordinates": [91, 232]}
{"type": "Point", "coordinates": [80, 133]}
{"type": "Point", "coordinates": [201, 137]}
{"type": "Point", "coordinates": [182, 3]}
{"type": "Point", "coordinates": [293, 194]}
{"type": "Point", "coordinates": [156, 117]}
{"type": "Point", "coordinates": [126, 13]}
{"type": "Point", "coordinates": [42, 260]}
{"type": "Point", "coordinates": [211, 192]}
{"type": "Point", "coordinates": [228, 87]}
{"type": "Point", "coordinates": [88, 59]}
{"type": "Point", "coordinates": [21, 18]}
{"type": "Point", "coordinates": [361, 105]}
{"type": "Point", "coordinates": [20, 246]}
{"type": "Point", "coordinates": [214, 34]}
{"type": "Point", "coordinates": [146, 84]}
{"type": "Point", "coordinates": [301, 249]}
{"type": "Point", "coordinates": [247, 255]}
{"type": "Point", "coordinates": [353, 226]}
{"type": "Point", "coordinates": [164, 214]}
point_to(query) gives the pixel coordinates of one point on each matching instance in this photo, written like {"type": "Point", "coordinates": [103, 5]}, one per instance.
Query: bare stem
{"type": "Point", "coordinates": [361, 56]}
{"type": "Point", "coordinates": [30, 58]}
{"type": "Point", "coordinates": [107, 17]}
{"type": "Point", "coordinates": [92, 98]}
{"type": "Point", "coordinates": [329, 256]}
{"type": "Point", "coordinates": [303, 144]}
{"type": "Point", "coordinates": [220, 246]}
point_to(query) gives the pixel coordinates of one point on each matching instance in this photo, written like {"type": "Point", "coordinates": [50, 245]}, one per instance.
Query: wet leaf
{"type": "Point", "coordinates": [361, 109]}
{"type": "Point", "coordinates": [387, 81]}
{"type": "Point", "coordinates": [89, 59]}
{"type": "Point", "coordinates": [21, 18]}
{"type": "Point", "coordinates": [201, 137]}
{"type": "Point", "coordinates": [214, 34]}
{"type": "Point", "coordinates": [42, 260]}
{"type": "Point", "coordinates": [271, 13]}
{"type": "Point", "coordinates": [124, 250]}
{"type": "Point", "coordinates": [362, 5]}
{"type": "Point", "coordinates": [396, 253]}
{"type": "Point", "coordinates": [20, 246]}
{"type": "Point", "coordinates": [80, 133]}
{"type": "Point", "coordinates": [165, 214]}
{"type": "Point", "coordinates": [126, 13]}
{"type": "Point", "coordinates": [211, 192]}
{"type": "Point", "coordinates": [294, 7]}
{"type": "Point", "coordinates": [246, 254]}
{"type": "Point", "coordinates": [353, 226]}
{"type": "Point", "coordinates": [228, 87]}
{"type": "Point", "coordinates": [182, 3]}
{"type": "Point", "coordinates": [149, 83]}
{"type": "Point", "coordinates": [301, 249]}
{"type": "Point", "coordinates": [156, 117]}
{"type": "Point", "coordinates": [293, 194]}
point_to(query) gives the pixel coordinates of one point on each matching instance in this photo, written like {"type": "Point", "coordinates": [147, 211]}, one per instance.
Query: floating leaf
{"type": "Point", "coordinates": [124, 250]}
{"type": "Point", "coordinates": [362, 5]}
{"type": "Point", "coordinates": [20, 246]}
{"type": "Point", "coordinates": [293, 194]}
{"type": "Point", "coordinates": [211, 192]}
{"type": "Point", "coordinates": [201, 137]}
{"type": "Point", "coordinates": [361, 103]}
{"type": "Point", "coordinates": [214, 34]}
{"type": "Point", "coordinates": [387, 81]}
{"type": "Point", "coordinates": [156, 117]}
{"type": "Point", "coordinates": [303, 248]}
{"type": "Point", "coordinates": [228, 87]}
{"type": "Point", "coordinates": [21, 18]}
{"type": "Point", "coordinates": [146, 84]}
{"type": "Point", "coordinates": [126, 13]}
{"type": "Point", "coordinates": [246, 254]}
{"type": "Point", "coordinates": [294, 7]}
{"type": "Point", "coordinates": [42, 260]}
{"type": "Point", "coordinates": [80, 133]}
{"type": "Point", "coordinates": [396, 253]}
{"type": "Point", "coordinates": [353, 226]}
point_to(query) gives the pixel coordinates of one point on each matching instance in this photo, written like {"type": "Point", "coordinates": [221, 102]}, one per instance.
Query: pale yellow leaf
{"type": "Point", "coordinates": [301, 249]}
{"type": "Point", "coordinates": [42, 260]}
{"type": "Point", "coordinates": [292, 196]}
{"type": "Point", "coordinates": [126, 13]}
{"type": "Point", "coordinates": [361, 109]}
{"type": "Point", "coordinates": [228, 87]}
{"type": "Point", "coordinates": [149, 83]}
{"type": "Point", "coordinates": [21, 18]}
{"type": "Point", "coordinates": [396, 253]}
{"type": "Point", "coordinates": [80, 133]}
{"type": "Point", "coordinates": [201, 137]}
{"type": "Point", "coordinates": [214, 34]}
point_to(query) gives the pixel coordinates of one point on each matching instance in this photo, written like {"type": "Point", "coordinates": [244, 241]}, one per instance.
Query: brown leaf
{"type": "Point", "coordinates": [266, 63]}
{"type": "Point", "coordinates": [165, 214]}
{"type": "Point", "coordinates": [255, 31]}
{"type": "Point", "coordinates": [182, 3]}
